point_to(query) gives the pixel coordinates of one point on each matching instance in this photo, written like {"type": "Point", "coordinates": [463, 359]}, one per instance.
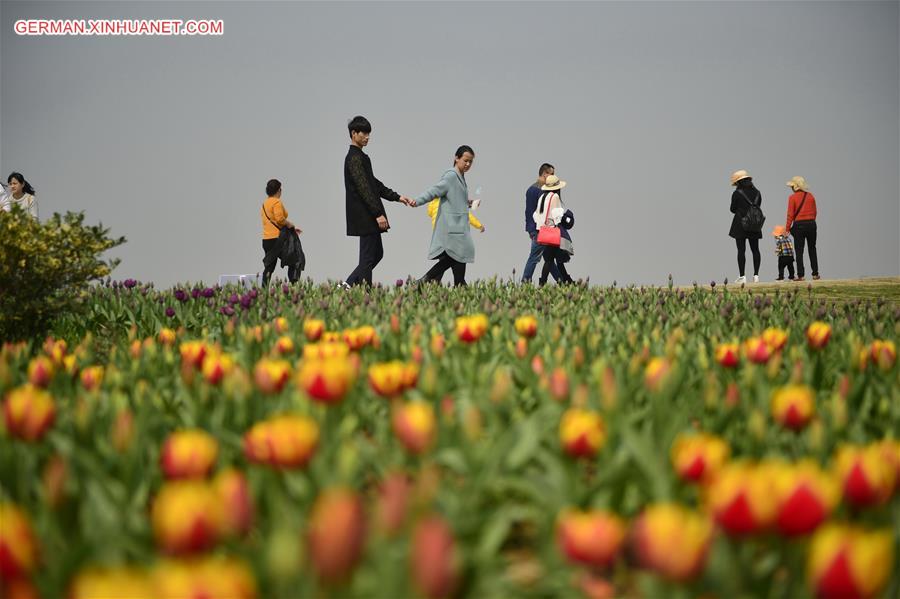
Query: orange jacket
{"type": "Point", "coordinates": [808, 212]}
{"type": "Point", "coordinates": [275, 211]}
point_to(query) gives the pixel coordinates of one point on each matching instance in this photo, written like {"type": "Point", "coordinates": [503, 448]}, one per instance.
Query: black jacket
{"type": "Point", "coordinates": [740, 207]}
{"type": "Point", "coordinates": [364, 193]}
{"type": "Point", "coordinates": [289, 249]}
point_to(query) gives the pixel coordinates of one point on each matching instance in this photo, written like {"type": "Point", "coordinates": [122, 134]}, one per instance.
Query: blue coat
{"type": "Point", "coordinates": [451, 230]}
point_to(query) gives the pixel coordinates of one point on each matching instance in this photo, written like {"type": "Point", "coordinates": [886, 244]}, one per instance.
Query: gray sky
{"type": "Point", "coordinates": [645, 109]}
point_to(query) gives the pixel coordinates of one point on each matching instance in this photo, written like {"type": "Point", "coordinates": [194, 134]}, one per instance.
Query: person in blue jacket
{"type": "Point", "coordinates": [537, 251]}
{"type": "Point", "coordinates": [451, 242]}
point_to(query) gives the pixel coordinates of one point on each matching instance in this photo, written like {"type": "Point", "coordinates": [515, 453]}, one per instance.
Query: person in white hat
{"type": "Point", "coordinates": [743, 200]}
{"type": "Point", "coordinates": [801, 222]}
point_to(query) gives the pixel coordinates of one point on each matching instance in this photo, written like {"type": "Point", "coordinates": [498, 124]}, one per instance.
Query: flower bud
{"type": "Point", "coordinates": [187, 516]}
{"type": "Point", "coordinates": [166, 337]}
{"type": "Point", "coordinates": [325, 350]}
{"type": "Point", "coordinates": [582, 433]}
{"type": "Point", "coordinates": [434, 560]}
{"type": "Point", "coordinates": [192, 353]}
{"type": "Point", "coordinates": [656, 374]}
{"type": "Point", "coordinates": [775, 338]}
{"type": "Point", "coordinates": [727, 355]}
{"type": "Point", "coordinates": [54, 479]}
{"type": "Point", "coordinates": [284, 345]}
{"type": "Point", "coordinates": [698, 456]}
{"type": "Point", "coordinates": [592, 538]}
{"type": "Point", "coordinates": [283, 441]}
{"type": "Point", "coordinates": [415, 426]}
{"type": "Point", "coordinates": [237, 503]}
{"type": "Point", "coordinates": [818, 334]}
{"type": "Point", "coordinates": [740, 497]}
{"type": "Point", "coordinates": [393, 502]}
{"type": "Point", "coordinates": [326, 381]}
{"type": "Point", "coordinates": [189, 453]}
{"type": "Point", "coordinates": [757, 350]}
{"type": "Point", "coordinates": [271, 376]}
{"type": "Point", "coordinates": [672, 540]}
{"type": "Point", "coordinates": [526, 326]}
{"type": "Point", "coordinates": [209, 577]}
{"type": "Point", "coordinates": [386, 379]}
{"type": "Point", "coordinates": [18, 545]}
{"type": "Point", "coordinates": [845, 561]}
{"type": "Point", "coordinates": [438, 343]}
{"type": "Point", "coordinates": [281, 325]}
{"type": "Point", "coordinates": [91, 378]}
{"type": "Point", "coordinates": [793, 406]}
{"type": "Point", "coordinates": [866, 477]}
{"type": "Point", "coordinates": [40, 371]}
{"type": "Point", "coordinates": [55, 350]}
{"type": "Point", "coordinates": [559, 384]}
{"type": "Point", "coordinates": [883, 354]}
{"type": "Point", "coordinates": [122, 430]}
{"type": "Point", "coordinates": [805, 497]}
{"type": "Point", "coordinates": [336, 534]}
{"type": "Point", "coordinates": [216, 366]}
{"type": "Point", "coordinates": [470, 329]}
{"type": "Point", "coordinates": [94, 582]}
{"type": "Point", "coordinates": [28, 412]}
{"type": "Point", "coordinates": [313, 329]}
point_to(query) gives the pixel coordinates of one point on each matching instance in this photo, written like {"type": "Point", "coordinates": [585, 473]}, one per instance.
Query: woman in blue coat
{"type": "Point", "coordinates": [451, 242]}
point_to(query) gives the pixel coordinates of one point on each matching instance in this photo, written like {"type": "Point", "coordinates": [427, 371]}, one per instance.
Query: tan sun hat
{"type": "Point", "coordinates": [797, 183]}
{"type": "Point", "coordinates": [552, 183]}
{"type": "Point", "coordinates": [738, 176]}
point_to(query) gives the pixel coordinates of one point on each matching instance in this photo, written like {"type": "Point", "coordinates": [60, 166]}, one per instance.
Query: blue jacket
{"type": "Point", "coordinates": [451, 230]}
{"type": "Point", "coordinates": [531, 198]}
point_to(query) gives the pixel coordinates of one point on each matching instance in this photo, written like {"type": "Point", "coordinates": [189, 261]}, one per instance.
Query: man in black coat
{"type": "Point", "coordinates": [366, 218]}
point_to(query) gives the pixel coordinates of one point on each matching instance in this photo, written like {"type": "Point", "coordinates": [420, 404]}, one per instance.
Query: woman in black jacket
{"type": "Point", "coordinates": [745, 194]}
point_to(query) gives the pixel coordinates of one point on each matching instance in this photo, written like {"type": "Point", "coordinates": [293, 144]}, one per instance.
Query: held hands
{"type": "Point", "coordinates": [408, 201]}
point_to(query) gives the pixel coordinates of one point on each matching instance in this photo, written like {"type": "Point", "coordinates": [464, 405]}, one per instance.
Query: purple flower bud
{"type": "Point", "coordinates": [180, 295]}
{"type": "Point", "coordinates": [253, 293]}
{"type": "Point", "coordinates": [246, 302]}
{"type": "Point", "coordinates": [286, 289]}
{"type": "Point", "coordinates": [227, 310]}
{"type": "Point", "coordinates": [208, 292]}
{"type": "Point", "coordinates": [712, 283]}
{"type": "Point", "coordinates": [398, 283]}
{"type": "Point", "coordinates": [195, 292]}
{"type": "Point", "coordinates": [234, 299]}
{"type": "Point", "coordinates": [129, 283]}
{"type": "Point", "coordinates": [170, 312]}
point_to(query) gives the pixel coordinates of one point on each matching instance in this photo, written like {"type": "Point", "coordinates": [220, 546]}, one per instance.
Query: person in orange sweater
{"type": "Point", "coordinates": [801, 222]}
{"type": "Point", "coordinates": [274, 218]}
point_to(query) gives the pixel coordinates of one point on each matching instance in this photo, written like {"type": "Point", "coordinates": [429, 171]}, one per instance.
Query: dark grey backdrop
{"type": "Point", "coordinates": [645, 108]}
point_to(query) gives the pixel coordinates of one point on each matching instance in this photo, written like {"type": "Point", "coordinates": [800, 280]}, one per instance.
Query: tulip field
{"type": "Point", "coordinates": [493, 441]}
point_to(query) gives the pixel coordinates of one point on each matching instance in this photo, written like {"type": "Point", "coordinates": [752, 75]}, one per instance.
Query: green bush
{"type": "Point", "coordinates": [45, 267]}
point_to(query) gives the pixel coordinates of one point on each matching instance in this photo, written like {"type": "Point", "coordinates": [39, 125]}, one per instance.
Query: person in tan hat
{"type": "Point", "coordinates": [801, 222]}
{"type": "Point", "coordinates": [746, 198]}
{"type": "Point", "coordinates": [550, 211]}
{"type": "Point", "coordinates": [784, 249]}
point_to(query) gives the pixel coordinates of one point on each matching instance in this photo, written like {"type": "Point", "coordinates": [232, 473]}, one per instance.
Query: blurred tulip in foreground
{"type": "Point", "coordinates": [189, 453]}
{"type": "Point", "coordinates": [434, 561]}
{"type": "Point", "coordinates": [18, 545]}
{"type": "Point", "coordinates": [282, 441]}
{"type": "Point", "coordinates": [28, 412]}
{"type": "Point", "coordinates": [697, 456]}
{"type": "Point", "coordinates": [336, 534]}
{"type": "Point", "coordinates": [582, 433]}
{"type": "Point", "coordinates": [592, 538]}
{"type": "Point", "coordinates": [849, 562]}
{"type": "Point", "coordinates": [187, 517]}
{"type": "Point", "coordinates": [672, 540]}
{"type": "Point", "coordinates": [793, 406]}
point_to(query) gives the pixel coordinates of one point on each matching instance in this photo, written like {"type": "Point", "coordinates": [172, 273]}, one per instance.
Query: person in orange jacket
{"type": "Point", "coordinates": [801, 222]}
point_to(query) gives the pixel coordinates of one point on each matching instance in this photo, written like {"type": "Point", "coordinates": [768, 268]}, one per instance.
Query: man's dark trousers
{"type": "Point", "coordinates": [371, 251]}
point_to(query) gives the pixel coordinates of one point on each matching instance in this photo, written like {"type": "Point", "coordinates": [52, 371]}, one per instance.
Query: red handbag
{"type": "Point", "coordinates": [548, 235]}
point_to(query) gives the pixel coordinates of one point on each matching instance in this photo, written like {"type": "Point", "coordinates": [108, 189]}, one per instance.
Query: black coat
{"type": "Point", "coordinates": [740, 207]}
{"type": "Point", "coordinates": [289, 249]}
{"type": "Point", "coordinates": [364, 194]}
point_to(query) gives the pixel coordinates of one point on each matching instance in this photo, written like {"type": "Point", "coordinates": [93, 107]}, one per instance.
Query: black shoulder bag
{"type": "Point", "coordinates": [753, 221]}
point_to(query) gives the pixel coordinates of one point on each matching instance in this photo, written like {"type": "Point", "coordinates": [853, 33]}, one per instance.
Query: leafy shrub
{"type": "Point", "coordinates": [44, 267]}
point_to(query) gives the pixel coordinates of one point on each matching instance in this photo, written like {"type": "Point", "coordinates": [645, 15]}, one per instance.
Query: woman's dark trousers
{"type": "Point", "coordinates": [371, 251]}
{"type": "Point", "coordinates": [554, 256]}
{"type": "Point", "coordinates": [270, 245]}
{"type": "Point", "coordinates": [444, 262]}
{"type": "Point", "coordinates": [742, 251]}
{"type": "Point", "coordinates": [804, 232]}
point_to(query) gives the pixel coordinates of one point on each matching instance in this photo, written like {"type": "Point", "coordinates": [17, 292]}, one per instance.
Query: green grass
{"type": "Point", "coordinates": [842, 290]}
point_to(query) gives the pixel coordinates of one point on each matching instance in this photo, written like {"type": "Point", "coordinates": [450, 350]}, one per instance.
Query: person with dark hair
{"type": "Point", "coordinates": [18, 192]}
{"type": "Point", "coordinates": [366, 217]}
{"type": "Point", "coordinates": [537, 251]}
{"type": "Point", "coordinates": [279, 236]}
{"type": "Point", "coordinates": [550, 211]}
{"type": "Point", "coordinates": [744, 199]}
{"type": "Point", "coordinates": [451, 241]}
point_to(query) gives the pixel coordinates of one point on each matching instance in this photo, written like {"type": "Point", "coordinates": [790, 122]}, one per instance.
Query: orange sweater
{"type": "Point", "coordinates": [807, 213]}
{"type": "Point", "coordinates": [275, 211]}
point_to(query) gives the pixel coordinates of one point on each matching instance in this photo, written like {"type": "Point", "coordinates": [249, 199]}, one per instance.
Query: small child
{"type": "Point", "coordinates": [433, 206]}
{"type": "Point", "coordinates": [784, 249]}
